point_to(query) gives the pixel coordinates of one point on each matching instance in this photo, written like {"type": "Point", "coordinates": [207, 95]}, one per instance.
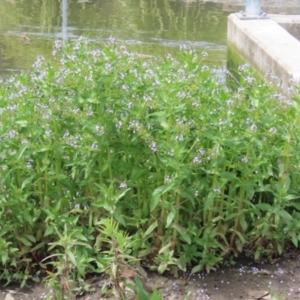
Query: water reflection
{"type": "Point", "coordinates": [65, 20]}
{"type": "Point", "coordinates": [146, 26]}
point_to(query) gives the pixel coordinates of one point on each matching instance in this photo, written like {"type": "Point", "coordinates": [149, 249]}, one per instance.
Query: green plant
{"type": "Point", "coordinates": [116, 261]}
{"type": "Point", "coordinates": [141, 294]}
{"type": "Point", "coordinates": [274, 295]}
{"type": "Point", "coordinates": [120, 159]}
{"type": "Point", "coordinates": [71, 262]}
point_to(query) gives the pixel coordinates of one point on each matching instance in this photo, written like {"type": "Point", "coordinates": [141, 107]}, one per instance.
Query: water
{"type": "Point", "coordinates": [156, 27]}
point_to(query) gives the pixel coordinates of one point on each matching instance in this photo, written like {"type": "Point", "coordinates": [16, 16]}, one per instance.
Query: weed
{"type": "Point", "coordinates": [109, 160]}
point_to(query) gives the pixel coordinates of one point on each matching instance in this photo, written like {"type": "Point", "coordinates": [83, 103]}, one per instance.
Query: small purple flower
{"type": "Point", "coordinates": [229, 102]}
{"type": "Point", "coordinates": [11, 134]}
{"type": "Point", "coordinates": [243, 68]}
{"type": "Point", "coordinates": [48, 132]}
{"type": "Point", "coordinates": [38, 63]}
{"type": "Point", "coordinates": [108, 67]}
{"type": "Point", "coordinates": [99, 130]}
{"type": "Point", "coordinates": [112, 39]}
{"type": "Point", "coordinates": [119, 124]}
{"type": "Point", "coordinates": [197, 160]}
{"type": "Point", "coordinates": [181, 94]}
{"type": "Point", "coordinates": [153, 147]}
{"type": "Point", "coordinates": [57, 46]}
{"type": "Point", "coordinates": [245, 159]}
{"type": "Point", "coordinates": [201, 151]}
{"type": "Point", "coordinates": [217, 190]}
{"type": "Point", "coordinates": [253, 127]}
{"type": "Point", "coordinates": [24, 142]}
{"type": "Point", "coordinates": [171, 152]}
{"type": "Point", "coordinates": [94, 146]}
{"type": "Point", "coordinates": [125, 88]}
{"type": "Point", "coordinates": [123, 185]}
{"type": "Point", "coordinates": [29, 164]}
{"type": "Point", "coordinates": [179, 137]}
{"type": "Point", "coordinates": [167, 179]}
{"type": "Point", "coordinates": [249, 79]}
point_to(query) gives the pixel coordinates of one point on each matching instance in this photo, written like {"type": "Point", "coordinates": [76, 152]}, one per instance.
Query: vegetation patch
{"type": "Point", "coordinates": [110, 160]}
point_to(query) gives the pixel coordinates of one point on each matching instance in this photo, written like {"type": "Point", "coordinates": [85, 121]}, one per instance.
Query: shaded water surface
{"type": "Point", "coordinates": [28, 28]}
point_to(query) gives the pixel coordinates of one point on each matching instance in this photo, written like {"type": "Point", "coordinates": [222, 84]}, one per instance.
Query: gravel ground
{"type": "Point", "coordinates": [245, 280]}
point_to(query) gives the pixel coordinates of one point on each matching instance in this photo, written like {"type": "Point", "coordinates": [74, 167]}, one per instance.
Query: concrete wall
{"type": "Point", "coordinates": [290, 23]}
{"type": "Point", "coordinates": [267, 46]}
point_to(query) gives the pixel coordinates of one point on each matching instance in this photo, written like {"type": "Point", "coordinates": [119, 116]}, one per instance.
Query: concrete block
{"type": "Point", "coordinates": [267, 46]}
{"type": "Point", "coordinates": [291, 23]}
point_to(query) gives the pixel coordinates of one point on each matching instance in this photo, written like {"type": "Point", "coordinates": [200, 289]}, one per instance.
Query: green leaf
{"type": "Point", "coordinates": [150, 228]}
{"type": "Point", "coordinates": [50, 230]}
{"type": "Point", "coordinates": [144, 252]}
{"type": "Point", "coordinates": [208, 201]}
{"type": "Point", "coordinates": [263, 206]}
{"type": "Point", "coordinates": [294, 238]}
{"type": "Point", "coordinates": [21, 152]}
{"type": "Point", "coordinates": [28, 181]}
{"type": "Point", "coordinates": [136, 173]}
{"type": "Point", "coordinates": [80, 236]}
{"type": "Point", "coordinates": [243, 222]}
{"type": "Point", "coordinates": [71, 257]}
{"type": "Point", "coordinates": [156, 295]}
{"type": "Point", "coordinates": [296, 205]}
{"type": "Point", "coordinates": [291, 197]}
{"type": "Point", "coordinates": [242, 238]}
{"type": "Point", "coordinates": [164, 248]}
{"type": "Point", "coordinates": [140, 291]}
{"type": "Point", "coordinates": [162, 267]}
{"type": "Point", "coordinates": [38, 246]}
{"type": "Point", "coordinates": [184, 234]}
{"type": "Point", "coordinates": [266, 228]}
{"type": "Point", "coordinates": [170, 218]}
{"type": "Point", "coordinates": [228, 175]}
{"type": "Point", "coordinates": [30, 237]}
{"type": "Point", "coordinates": [158, 192]}
{"type": "Point", "coordinates": [121, 194]}
{"type": "Point", "coordinates": [249, 187]}
{"type": "Point", "coordinates": [119, 217]}
{"type": "Point", "coordinates": [286, 182]}
{"type": "Point", "coordinates": [4, 258]}
{"type": "Point", "coordinates": [285, 215]}
{"type": "Point", "coordinates": [187, 195]}
{"type": "Point", "coordinates": [196, 269]}
{"type": "Point", "coordinates": [233, 142]}
{"type": "Point", "coordinates": [24, 241]}
{"type": "Point", "coordinates": [27, 216]}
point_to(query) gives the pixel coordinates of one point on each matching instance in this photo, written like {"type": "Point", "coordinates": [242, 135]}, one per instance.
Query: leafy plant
{"type": "Point", "coordinates": [108, 159]}
{"type": "Point", "coordinates": [71, 262]}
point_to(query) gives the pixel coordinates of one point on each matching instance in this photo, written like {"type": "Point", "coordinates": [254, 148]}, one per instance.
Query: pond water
{"type": "Point", "coordinates": [28, 28]}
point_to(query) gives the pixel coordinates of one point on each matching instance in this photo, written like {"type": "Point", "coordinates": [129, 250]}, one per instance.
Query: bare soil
{"type": "Point", "coordinates": [245, 280]}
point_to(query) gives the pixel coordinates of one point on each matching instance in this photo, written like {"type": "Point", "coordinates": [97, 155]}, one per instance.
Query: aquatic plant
{"type": "Point", "coordinates": [188, 169]}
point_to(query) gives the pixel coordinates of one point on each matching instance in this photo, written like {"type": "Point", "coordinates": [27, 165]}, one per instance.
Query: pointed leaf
{"type": "Point", "coordinates": [184, 235]}
{"type": "Point", "coordinates": [150, 229]}
{"type": "Point", "coordinates": [170, 218]}
{"type": "Point", "coordinates": [24, 241]}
